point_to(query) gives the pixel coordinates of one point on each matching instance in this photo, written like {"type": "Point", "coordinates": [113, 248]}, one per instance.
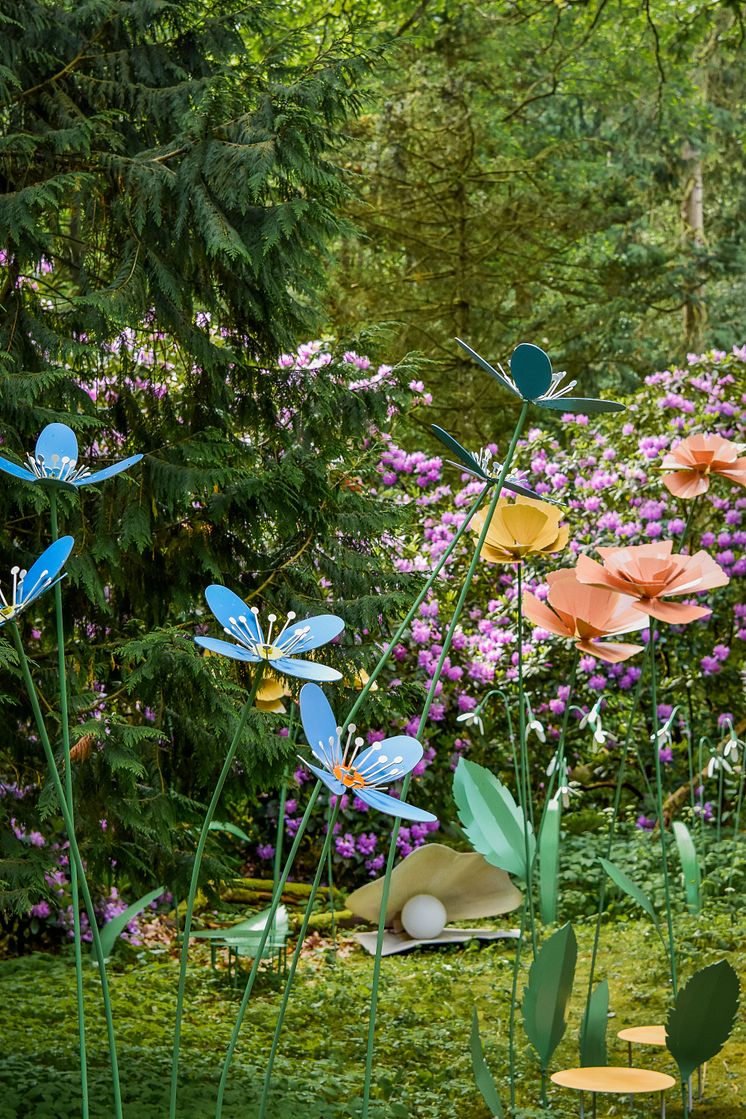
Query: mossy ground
{"type": "Point", "coordinates": [423, 1068]}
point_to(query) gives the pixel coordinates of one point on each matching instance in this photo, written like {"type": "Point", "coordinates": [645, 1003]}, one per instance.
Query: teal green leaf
{"type": "Point", "coordinates": [549, 848]}
{"type": "Point", "coordinates": [491, 819]}
{"type": "Point", "coordinates": [593, 1029]}
{"type": "Point", "coordinates": [545, 999]}
{"type": "Point", "coordinates": [689, 865]}
{"type": "Point", "coordinates": [232, 829]}
{"type": "Point", "coordinates": [482, 1075]}
{"type": "Point", "coordinates": [624, 882]}
{"type": "Point", "coordinates": [700, 1021]}
{"type": "Point", "coordinates": [116, 926]}
{"type": "Point", "coordinates": [455, 448]}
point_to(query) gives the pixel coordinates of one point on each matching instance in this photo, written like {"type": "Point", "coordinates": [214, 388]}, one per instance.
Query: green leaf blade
{"type": "Point", "coordinates": [593, 1053]}
{"type": "Point", "coordinates": [549, 850]}
{"type": "Point", "coordinates": [482, 1075]}
{"type": "Point", "coordinates": [702, 1018]}
{"type": "Point", "coordinates": [492, 820]}
{"type": "Point", "coordinates": [545, 999]}
{"type": "Point", "coordinates": [689, 865]}
{"type": "Point", "coordinates": [115, 927]}
{"type": "Point", "coordinates": [631, 889]}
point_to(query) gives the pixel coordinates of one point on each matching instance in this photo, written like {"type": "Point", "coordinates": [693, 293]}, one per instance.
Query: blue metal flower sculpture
{"type": "Point", "coordinates": [347, 770]}
{"type": "Point", "coordinates": [282, 650]}
{"type": "Point", "coordinates": [482, 465]}
{"type": "Point", "coordinates": [55, 462]}
{"type": "Point", "coordinates": [28, 585]}
{"type": "Point", "coordinates": [531, 378]}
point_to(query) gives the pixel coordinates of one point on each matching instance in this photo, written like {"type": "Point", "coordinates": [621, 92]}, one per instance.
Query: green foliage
{"type": "Point", "coordinates": [593, 1051]}
{"type": "Point", "coordinates": [701, 1020]}
{"type": "Point", "coordinates": [624, 882]}
{"type": "Point", "coordinates": [493, 822]}
{"type": "Point", "coordinates": [545, 999]}
{"type": "Point", "coordinates": [689, 865]}
{"type": "Point", "coordinates": [482, 1074]}
{"type": "Point", "coordinates": [549, 851]}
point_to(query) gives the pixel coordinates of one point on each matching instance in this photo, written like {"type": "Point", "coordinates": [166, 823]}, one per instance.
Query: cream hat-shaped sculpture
{"type": "Point", "coordinates": [464, 884]}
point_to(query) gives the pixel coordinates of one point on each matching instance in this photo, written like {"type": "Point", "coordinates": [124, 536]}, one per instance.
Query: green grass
{"type": "Point", "coordinates": [423, 1068]}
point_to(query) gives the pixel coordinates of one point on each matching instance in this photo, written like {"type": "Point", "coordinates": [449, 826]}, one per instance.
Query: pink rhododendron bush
{"type": "Point", "coordinates": [612, 480]}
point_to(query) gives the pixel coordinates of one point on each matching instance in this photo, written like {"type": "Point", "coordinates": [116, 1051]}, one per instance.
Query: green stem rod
{"type": "Point", "coordinates": [74, 886]}
{"type": "Point", "coordinates": [281, 810]}
{"type": "Point", "coordinates": [423, 720]}
{"type": "Point", "coordinates": [195, 880]}
{"type": "Point", "coordinates": [513, 1001]}
{"type": "Point", "coordinates": [296, 957]}
{"type": "Point", "coordinates": [524, 790]}
{"type": "Point", "coordinates": [274, 905]}
{"type": "Point", "coordinates": [659, 808]}
{"type": "Point", "coordinates": [76, 857]}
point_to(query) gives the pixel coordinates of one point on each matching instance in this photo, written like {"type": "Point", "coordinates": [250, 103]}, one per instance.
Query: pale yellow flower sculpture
{"type": "Point", "coordinates": [520, 529]}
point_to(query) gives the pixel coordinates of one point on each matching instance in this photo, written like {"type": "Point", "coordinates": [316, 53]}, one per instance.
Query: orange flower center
{"type": "Point", "coordinates": [349, 777]}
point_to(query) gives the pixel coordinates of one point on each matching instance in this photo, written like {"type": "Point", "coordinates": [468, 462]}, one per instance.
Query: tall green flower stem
{"type": "Point", "coordinates": [524, 790]}
{"type": "Point", "coordinates": [274, 905]}
{"type": "Point", "coordinates": [621, 773]}
{"type": "Point", "coordinates": [513, 1001]}
{"type": "Point", "coordinates": [659, 806]}
{"type": "Point", "coordinates": [296, 956]}
{"type": "Point", "coordinates": [76, 858]}
{"type": "Point", "coordinates": [301, 829]}
{"type": "Point", "coordinates": [195, 879]}
{"type": "Point", "coordinates": [74, 887]}
{"type": "Point", "coordinates": [281, 810]}
{"type": "Point", "coordinates": [330, 879]}
{"type": "Point", "coordinates": [423, 721]}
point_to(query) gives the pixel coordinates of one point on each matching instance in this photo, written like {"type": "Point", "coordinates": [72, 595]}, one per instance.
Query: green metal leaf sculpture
{"type": "Point", "coordinates": [549, 848]}
{"type": "Point", "coordinates": [491, 819]}
{"type": "Point", "coordinates": [232, 829]}
{"type": "Point", "coordinates": [624, 882]}
{"type": "Point", "coordinates": [545, 999]}
{"type": "Point", "coordinates": [482, 1075]}
{"type": "Point", "coordinates": [593, 1029]}
{"type": "Point", "coordinates": [700, 1021]}
{"type": "Point", "coordinates": [113, 929]}
{"type": "Point", "coordinates": [689, 865]}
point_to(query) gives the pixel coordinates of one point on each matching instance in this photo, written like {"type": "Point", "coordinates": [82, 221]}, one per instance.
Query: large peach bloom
{"type": "Point", "coordinates": [695, 458]}
{"type": "Point", "coordinates": [650, 572]}
{"type": "Point", "coordinates": [521, 528]}
{"type": "Point", "coordinates": [585, 613]}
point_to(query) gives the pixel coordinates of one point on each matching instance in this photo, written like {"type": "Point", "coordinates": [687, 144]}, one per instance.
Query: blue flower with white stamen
{"type": "Point", "coordinates": [54, 462]}
{"type": "Point", "coordinates": [28, 585]}
{"type": "Point", "coordinates": [351, 769]}
{"type": "Point", "coordinates": [282, 649]}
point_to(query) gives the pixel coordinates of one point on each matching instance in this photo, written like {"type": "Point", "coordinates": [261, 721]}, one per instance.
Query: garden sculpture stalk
{"type": "Point", "coordinates": [195, 879]}
{"type": "Point", "coordinates": [76, 857]}
{"type": "Point", "coordinates": [74, 886]}
{"type": "Point", "coordinates": [423, 721]}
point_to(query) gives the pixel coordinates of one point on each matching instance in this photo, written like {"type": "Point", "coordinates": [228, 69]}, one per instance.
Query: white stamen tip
{"type": "Point", "coordinates": [399, 759]}
{"type": "Point", "coordinates": [272, 617]}
{"type": "Point", "coordinates": [292, 615]}
{"type": "Point", "coordinates": [359, 741]}
{"type": "Point", "coordinates": [254, 609]}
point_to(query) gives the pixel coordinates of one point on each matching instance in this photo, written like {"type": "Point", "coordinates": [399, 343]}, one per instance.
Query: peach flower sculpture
{"type": "Point", "coordinates": [521, 528]}
{"type": "Point", "coordinates": [585, 614]}
{"type": "Point", "coordinates": [696, 458]}
{"type": "Point", "coordinates": [650, 573]}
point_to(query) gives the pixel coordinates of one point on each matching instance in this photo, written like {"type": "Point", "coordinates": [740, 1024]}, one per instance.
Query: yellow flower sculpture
{"type": "Point", "coordinates": [520, 529]}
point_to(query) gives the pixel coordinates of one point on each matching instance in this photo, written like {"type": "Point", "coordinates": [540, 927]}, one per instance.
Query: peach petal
{"type": "Point", "coordinates": [686, 485]}
{"type": "Point", "coordinates": [676, 613]}
{"type": "Point", "coordinates": [610, 651]}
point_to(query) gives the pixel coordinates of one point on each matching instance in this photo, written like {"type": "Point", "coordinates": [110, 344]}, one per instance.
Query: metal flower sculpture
{"type": "Point", "coordinates": [28, 585]}
{"type": "Point", "coordinates": [480, 465]}
{"type": "Point", "coordinates": [55, 462]}
{"type": "Point", "coordinates": [347, 769]}
{"type": "Point", "coordinates": [693, 461]}
{"type": "Point", "coordinates": [521, 530]}
{"type": "Point", "coordinates": [531, 378]}
{"type": "Point", "coordinates": [281, 650]}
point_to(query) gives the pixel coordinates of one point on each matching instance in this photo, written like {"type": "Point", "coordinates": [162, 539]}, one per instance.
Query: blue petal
{"type": "Point", "coordinates": [488, 368]}
{"type": "Point", "coordinates": [17, 471]}
{"type": "Point", "coordinates": [226, 649]}
{"type": "Point", "coordinates": [50, 561]}
{"type": "Point", "coordinates": [577, 404]}
{"type": "Point", "coordinates": [384, 803]}
{"type": "Point", "coordinates": [56, 439]}
{"type": "Point", "coordinates": [226, 605]}
{"type": "Point", "coordinates": [531, 370]}
{"type": "Point", "coordinates": [306, 670]}
{"type": "Point", "coordinates": [108, 471]}
{"type": "Point", "coordinates": [400, 746]}
{"type": "Point", "coordinates": [331, 782]}
{"type": "Point", "coordinates": [319, 723]}
{"type": "Point", "coordinates": [323, 628]}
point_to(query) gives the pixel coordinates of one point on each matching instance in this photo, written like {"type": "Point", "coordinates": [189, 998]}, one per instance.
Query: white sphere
{"type": "Point", "coordinates": [423, 917]}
